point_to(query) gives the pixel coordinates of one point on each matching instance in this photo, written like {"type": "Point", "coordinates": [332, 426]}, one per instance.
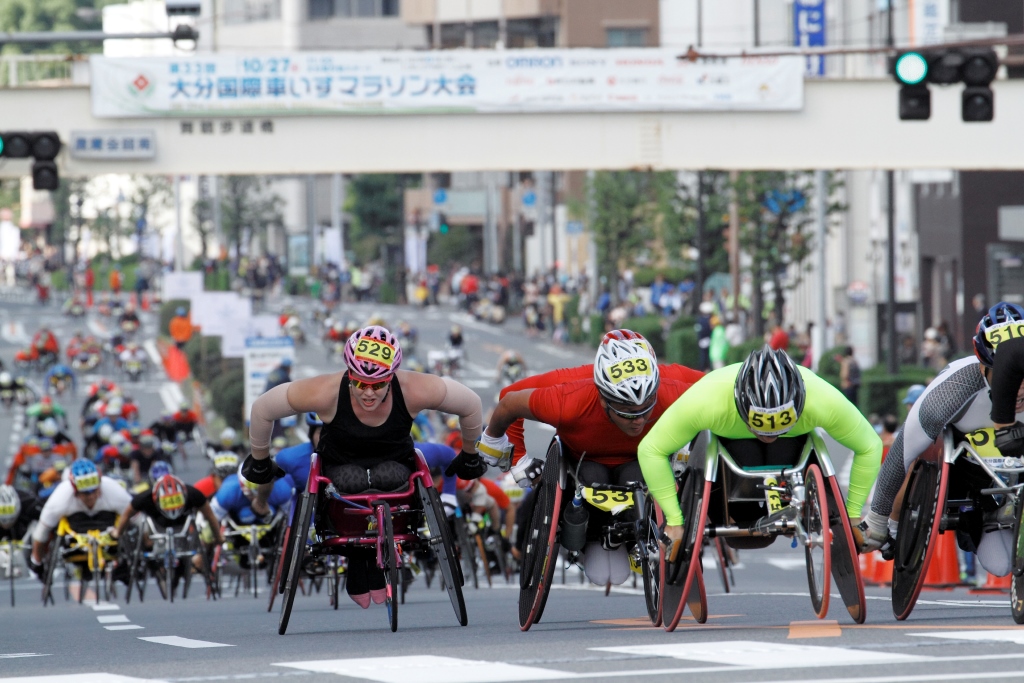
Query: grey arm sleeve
{"type": "Point", "coordinates": [942, 403]}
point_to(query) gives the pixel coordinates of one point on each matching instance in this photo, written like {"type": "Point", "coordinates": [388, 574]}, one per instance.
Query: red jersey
{"type": "Point", "coordinates": [568, 400]}
{"type": "Point", "coordinates": [494, 490]}
{"type": "Point", "coordinates": [207, 486]}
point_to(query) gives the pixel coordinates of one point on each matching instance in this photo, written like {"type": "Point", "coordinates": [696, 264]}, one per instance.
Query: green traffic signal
{"type": "Point", "coordinates": [444, 229]}
{"type": "Point", "coordinates": [911, 68]}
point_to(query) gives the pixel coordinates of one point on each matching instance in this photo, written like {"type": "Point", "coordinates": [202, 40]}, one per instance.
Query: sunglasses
{"type": "Point", "coordinates": [359, 385]}
{"type": "Point", "coordinates": [633, 416]}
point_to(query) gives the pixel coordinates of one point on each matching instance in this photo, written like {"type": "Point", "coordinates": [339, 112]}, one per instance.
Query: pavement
{"type": "Point", "coordinates": [762, 630]}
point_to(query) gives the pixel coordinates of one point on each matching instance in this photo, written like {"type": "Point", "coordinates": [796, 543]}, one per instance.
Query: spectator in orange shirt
{"type": "Point", "coordinates": [180, 327]}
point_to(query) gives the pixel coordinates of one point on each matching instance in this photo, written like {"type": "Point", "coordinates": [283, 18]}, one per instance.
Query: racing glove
{"type": "Point", "coordinates": [495, 451]}
{"type": "Point", "coordinates": [872, 533]}
{"type": "Point", "coordinates": [467, 466]}
{"type": "Point", "coordinates": [1010, 440]}
{"type": "Point", "coordinates": [261, 471]}
{"type": "Point", "coordinates": [36, 567]}
{"type": "Point", "coordinates": [526, 471]}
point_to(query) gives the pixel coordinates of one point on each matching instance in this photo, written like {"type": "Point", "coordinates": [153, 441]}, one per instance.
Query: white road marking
{"type": "Point", "coordinates": [124, 627]}
{"type": "Point", "coordinates": [905, 679]}
{"type": "Point", "coordinates": [178, 641]}
{"type": "Point", "coordinates": [81, 678]}
{"type": "Point", "coordinates": [788, 562]}
{"type": "Point", "coordinates": [429, 669]}
{"type": "Point", "coordinates": [1006, 636]}
{"type": "Point", "coordinates": [786, 654]}
{"type": "Point", "coordinates": [14, 332]}
{"type": "Point", "coordinates": [154, 354]}
{"type": "Point", "coordinates": [113, 619]}
{"type": "Point", "coordinates": [557, 352]}
{"type": "Point", "coordinates": [18, 655]}
{"type": "Point", "coordinates": [170, 394]}
{"type": "Point", "coordinates": [105, 607]}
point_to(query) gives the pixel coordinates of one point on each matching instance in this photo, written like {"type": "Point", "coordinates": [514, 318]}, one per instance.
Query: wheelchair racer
{"type": "Point", "coordinates": [87, 499]}
{"type": "Point", "coordinates": [958, 397]}
{"type": "Point", "coordinates": [367, 412]}
{"type": "Point", "coordinates": [754, 404]}
{"type": "Point", "coordinates": [18, 509]}
{"type": "Point", "coordinates": [168, 504]}
{"type": "Point", "coordinates": [1007, 377]}
{"type": "Point", "coordinates": [58, 373]}
{"type": "Point", "coordinates": [600, 421]}
{"type": "Point", "coordinates": [224, 465]}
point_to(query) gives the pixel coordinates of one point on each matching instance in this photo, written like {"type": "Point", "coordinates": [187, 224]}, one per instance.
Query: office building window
{"type": "Point", "coordinates": [321, 9]}
{"type": "Point", "coordinates": [326, 9]}
{"type": "Point", "coordinates": [246, 11]}
{"type": "Point", "coordinates": [627, 37]}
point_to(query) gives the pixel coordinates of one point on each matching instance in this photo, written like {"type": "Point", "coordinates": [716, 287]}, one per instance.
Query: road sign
{"type": "Point", "coordinates": [529, 198]}
{"type": "Point", "coordinates": [113, 144]}
{"type": "Point", "coordinates": [440, 195]}
{"type": "Point", "coordinates": [574, 228]}
{"type": "Point", "coordinates": [809, 31]}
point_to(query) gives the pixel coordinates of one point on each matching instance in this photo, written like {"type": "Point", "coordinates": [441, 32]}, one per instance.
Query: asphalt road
{"type": "Point", "coordinates": [763, 630]}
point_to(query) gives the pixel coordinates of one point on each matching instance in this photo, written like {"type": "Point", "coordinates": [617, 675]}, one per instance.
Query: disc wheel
{"type": "Point", "coordinates": [845, 563]}
{"type": "Point", "coordinates": [920, 517]}
{"type": "Point", "coordinates": [1017, 574]}
{"type": "Point", "coordinates": [818, 547]}
{"type": "Point", "coordinates": [652, 560]}
{"type": "Point", "coordinates": [540, 552]}
{"type": "Point", "coordinates": [444, 549]}
{"type": "Point", "coordinates": [389, 561]}
{"type": "Point", "coordinates": [300, 526]}
{"type": "Point", "coordinates": [694, 494]}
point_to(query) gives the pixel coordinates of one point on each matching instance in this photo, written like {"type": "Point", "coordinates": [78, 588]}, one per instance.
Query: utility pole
{"type": "Point", "coordinates": [818, 333]}
{"type": "Point", "coordinates": [698, 288]}
{"type": "Point", "coordinates": [892, 362]}
{"type": "Point", "coordinates": [179, 239]}
{"type": "Point", "coordinates": [552, 202]}
{"type": "Point", "coordinates": [517, 227]}
{"type": "Point", "coordinates": [734, 244]}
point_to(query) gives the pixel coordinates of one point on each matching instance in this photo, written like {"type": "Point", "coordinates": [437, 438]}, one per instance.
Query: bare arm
{"type": "Point", "coordinates": [212, 520]}
{"type": "Point", "coordinates": [122, 522]}
{"type": "Point", "coordinates": [315, 394]}
{"type": "Point", "coordinates": [513, 406]}
{"type": "Point", "coordinates": [428, 392]}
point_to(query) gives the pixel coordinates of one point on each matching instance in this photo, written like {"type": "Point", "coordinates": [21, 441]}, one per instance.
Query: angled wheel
{"type": "Point", "coordinates": [277, 584]}
{"type": "Point", "coordinates": [818, 549]}
{"type": "Point", "coordinates": [694, 495]}
{"type": "Point", "coordinates": [300, 527]}
{"type": "Point", "coordinates": [443, 545]}
{"type": "Point", "coordinates": [481, 552]}
{"type": "Point", "coordinates": [540, 551]}
{"type": "Point", "coordinates": [467, 548]}
{"type": "Point", "coordinates": [652, 560]}
{"type": "Point", "coordinates": [1017, 573]}
{"type": "Point", "coordinates": [51, 566]}
{"type": "Point", "coordinates": [389, 563]}
{"type": "Point", "coordinates": [920, 517]}
{"type": "Point", "coordinates": [845, 563]}
{"type": "Point", "coordinates": [697, 599]}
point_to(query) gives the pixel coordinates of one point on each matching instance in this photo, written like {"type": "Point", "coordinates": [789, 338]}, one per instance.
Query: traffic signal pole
{"type": "Point", "coordinates": [892, 362]}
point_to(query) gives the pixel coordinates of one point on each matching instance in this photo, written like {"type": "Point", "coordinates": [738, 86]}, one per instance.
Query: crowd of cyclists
{"type": "Point", "coordinates": [623, 421]}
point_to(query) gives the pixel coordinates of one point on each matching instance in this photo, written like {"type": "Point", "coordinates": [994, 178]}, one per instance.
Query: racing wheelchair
{"type": "Point", "coordinates": [168, 560]}
{"type": "Point", "coordinates": [721, 499]}
{"type": "Point", "coordinates": [82, 545]}
{"type": "Point", "coordinates": [542, 540]}
{"type": "Point", "coordinates": [984, 495]}
{"type": "Point", "coordinates": [392, 523]}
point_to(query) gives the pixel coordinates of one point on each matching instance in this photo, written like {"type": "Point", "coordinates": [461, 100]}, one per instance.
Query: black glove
{"type": "Point", "coordinates": [467, 466]}
{"type": "Point", "coordinates": [1010, 440]}
{"type": "Point", "coordinates": [260, 471]}
{"type": "Point", "coordinates": [36, 567]}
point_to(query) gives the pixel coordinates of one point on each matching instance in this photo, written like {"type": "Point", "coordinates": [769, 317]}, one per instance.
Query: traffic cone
{"type": "Point", "coordinates": [875, 570]}
{"type": "Point", "coordinates": [145, 301]}
{"type": "Point", "coordinates": [134, 299]}
{"type": "Point", "coordinates": [944, 569]}
{"type": "Point", "coordinates": [176, 364]}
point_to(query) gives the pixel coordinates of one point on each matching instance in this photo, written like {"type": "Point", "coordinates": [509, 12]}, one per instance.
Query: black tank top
{"type": "Point", "coordinates": [346, 440]}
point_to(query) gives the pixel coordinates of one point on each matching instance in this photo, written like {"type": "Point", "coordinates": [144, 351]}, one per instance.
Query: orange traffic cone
{"type": "Point", "coordinates": [145, 301]}
{"type": "Point", "coordinates": [176, 364]}
{"type": "Point", "coordinates": [944, 570]}
{"type": "Point", "coordinates": [875, 570]}
{"type": "Point", "coordinates": [995, 584]}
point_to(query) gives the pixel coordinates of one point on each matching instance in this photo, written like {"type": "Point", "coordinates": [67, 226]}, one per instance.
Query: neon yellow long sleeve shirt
{"type": "Point", "coordinates": [710, 404]}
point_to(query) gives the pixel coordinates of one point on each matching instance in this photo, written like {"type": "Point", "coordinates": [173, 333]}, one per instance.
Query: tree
{"type": "Point", "coordinates": [249, 203]}
{"type": "Point", "coordinates": [67, 212]}
{"type": "Point", "coordinates": [377, 207]}
{"type": "Point", "coordinates": [622, 208]}
{"type": "Point", "coordinates": [18, 16]}
{"type": "Point", "coordinates": [777, 231]}
{"type": "Point", "coordinates": [151, 193]}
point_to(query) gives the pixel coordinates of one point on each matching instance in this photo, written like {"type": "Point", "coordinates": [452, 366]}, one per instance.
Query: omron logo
{"type": "Point", "coordinates": [533, 62]}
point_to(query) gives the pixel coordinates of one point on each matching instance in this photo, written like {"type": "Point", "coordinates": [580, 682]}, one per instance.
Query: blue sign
{"type": "Point", "coordinates": [140, 224]}
{"type": "Point", "coordinates": [440, 196]}
{"type": "Point", "coordinates": [790, 202]}
{"type": "Point", "coordinates": [529, 198]}
{"type": "Point", "coordinates": [574, 228]}
{"type": "Point", "coordinates": [809, 31]}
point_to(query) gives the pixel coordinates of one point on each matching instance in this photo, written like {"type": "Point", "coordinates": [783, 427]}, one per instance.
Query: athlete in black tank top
{"type": "Point", "coordinates": [347, 441]}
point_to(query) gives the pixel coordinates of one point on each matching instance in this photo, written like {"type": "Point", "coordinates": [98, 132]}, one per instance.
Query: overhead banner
{"type": "Point", "coordinates": [449, 81]}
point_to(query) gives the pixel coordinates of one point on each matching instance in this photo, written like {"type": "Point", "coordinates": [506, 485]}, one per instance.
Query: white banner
{"type": "Point", "coordinates": [449, 81]}
{"type": "Point", "coordinates": [182, 285]}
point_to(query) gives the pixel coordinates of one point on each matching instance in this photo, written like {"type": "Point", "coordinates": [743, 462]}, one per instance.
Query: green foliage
{"type": "Point", "coordinates": [596, 330]}
{"type": "Point", "coordinates": [881, 392]}
{"type": "Point", "coordinates": [227, 392]}
{"type": "Point", "coordinates": [455, 247]}
{"type": "Point", "coordinates": [684, 206]}
{"type": "Point", "coordinates": [376, 203]}
{"type": "Point", "coordinates": [828, 365]}
{"type": "Point", "coordinates": [388, 292]}
{"type": "Point", "coordinates": [52, 15]}
{"type": "Point", "coordinates": [738, 354]}
{"type": "Point", "coordinates": [10, 197]}
{"type": "Point", "coordinates": [644, 275]}
{"type": "Point", "coordinates": [681, 347]}
{"type": "Point", "coordinates": [167, 310]}
{"type": "Point", "coordinates": [650, 326]}
{"type": "Point", "coordinates": [248, 202]}
{"type": "Point", "coordinates": [623, 209]}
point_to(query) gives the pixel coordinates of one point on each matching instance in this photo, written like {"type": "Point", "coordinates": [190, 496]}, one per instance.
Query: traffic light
{"type": "Point", "coordinates": [975, 67]}
{"type": "Point", "coordinates": [42, 147]}
{"type": "Point", "coordinates": [442, 223]}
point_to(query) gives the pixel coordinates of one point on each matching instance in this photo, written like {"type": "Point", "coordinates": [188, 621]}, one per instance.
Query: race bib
{"type": "Point", "coordinates": [90, 481]}
{"type": "Point", "coordinates": [375, 351]}
{"type": "Point", "coordinates": [984, 442]}
{"type": "Point", "coordinates": [772, 421]}
{"type": "Point", "coordinates": [997, 334]}
{"type": "Point", "coordinates": [172, 502]}
{"type": "Point", "coordinates": [609, 501]}
{"type": "Point", "coordinates": [7, 510]}
{"type": "Point", "coordinates": [627, 369]}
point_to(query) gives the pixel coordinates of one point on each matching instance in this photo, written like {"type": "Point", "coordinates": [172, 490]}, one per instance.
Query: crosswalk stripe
{"type": "Point", "coordinates": [123, 627]}
{"type": "Point", "coordinates": [178, 641]}
{"type": "Point", "coordinates": [1005, 635]}
{"type": "Point", "coordinates": [429, 669]}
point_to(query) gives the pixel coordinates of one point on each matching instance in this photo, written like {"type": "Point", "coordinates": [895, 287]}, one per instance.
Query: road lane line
{"type": "Point", "coordinates": [1004, 635]}
{"type": "Point", "coordinates": [105, 606]}
{"type": "Point", "coordinates": [430, 669]}
{"type": "Point", "coordinates": [814, 629]}
{"type": "Point", "coordinates": [123, 627]}
{"type": "Point", "coordinates": [154, 355]}
{"type": "Point", "coordinates": [80, 678]}
{"type": "Point", "coordinates": [795, 655]}
{"type": "Point", "coordinates": [178, 641]}
{"type": "Point", "coordinates": [113, 619]}
{"type": "Point", "coordinates": [17, 655]}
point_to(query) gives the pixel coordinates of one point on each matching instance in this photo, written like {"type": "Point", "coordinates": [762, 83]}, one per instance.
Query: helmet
{"type": "Point", "coordinates": [6, 378]}
{"type": "Point", "coordinates": [169, 494]}
{"type": "Point", "coordinates": [626, 372]}
{"type": "Point", "coordinates": [106, 431]}
{"type": "Point", "coordinates": [159, 468]}
{"type": "Point", "coordinates": [225, 463]}
{"type": "Point", "coordinates": [629, 336]}
{"type": "Point", "coordinates": [48, 427]}
{"type": "Point", "coordinates": [84, 476]}
{"type": "Point", "coordinates": [10, 506]}
{"type": "Point", "coordinates": [248, 488]}
{"type": "Point", "coordinates": [147, 441]}
{"type": "Point", "coordinates": [114, 408]}
{"type": "Point", "coordinates": [456, 329]}
{"type": "Point", "coordinates": [179, 311]}
{"type": "Point", "coordinates": [769, 392]}
{"type": "Point", "coordinates": [135, 431]}
{"type": "Point", "coordinates": [185, 406]}
{"type": "Point", "coordinates": [45, 444]}
{"type": "Point", "coordinates": [373, 352]}
{"type": "Point", "coordinates": [338, 326]}
{"type": "Point", "coordinates": [286, 362]}
{"type": "Point", "coordinates": [228, 437]}
{"type": "Point", "coordinates": [117, 440]}
{"type": "Point", "coordinates": [994, 328]}
{"type": "Point", "coordinates": [47, 401]}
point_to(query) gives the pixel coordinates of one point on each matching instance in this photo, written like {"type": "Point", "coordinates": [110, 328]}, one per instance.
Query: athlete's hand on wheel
{"type": "Point", "coordinates": [496, 451]}
{"type": "Point", "coordinates": [872, 533]}
{"type": "Point", "coordinates": [1010, 440]}
{"type": "Point", "coordinates": [261, 471]}
{"type": "Point", "coordinates": [526, 471]}
{"type": "Point", "coordinates": [36, 567]}
{"type": "Point", "coordinates": [467, 466]}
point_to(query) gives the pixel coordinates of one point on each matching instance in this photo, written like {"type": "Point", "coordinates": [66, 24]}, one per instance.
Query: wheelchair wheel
{"type": "Point", "coordinates": [1017, 573]}
{"type": "Point", "coordinates": [481, 552]}
{"type": "Point", "coordinates": [920, 517]}
{"type": "Point", "coordinates": [694, 495]}
{"type": "Point", "coordinates": [467, 548]}
{"type": "Point", "coordinates": [301, 524]}
{"type": "Point", "coordinates": [815, 519]}
{"type": "Point", "coordinates": [845, 564]}
{"type": "Point", "coordinates": [277, 583]}
{"type": "Point", "coordinates": [443, 545]}
{"type": "Point", "coordinates": [697, 600]}
{"type": "Point", "coordinates": [540, 553]}
{"type": "Point", "coordinates": [389, 563]}
{"type": "Point", "coordinates": [652, 560]}
{"type": "Point", "coordinates": [334, 580]}
{"type": "Point", "coordinates": [51, 566]}
{"type": "Point", "coordinates": [722, 558]}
